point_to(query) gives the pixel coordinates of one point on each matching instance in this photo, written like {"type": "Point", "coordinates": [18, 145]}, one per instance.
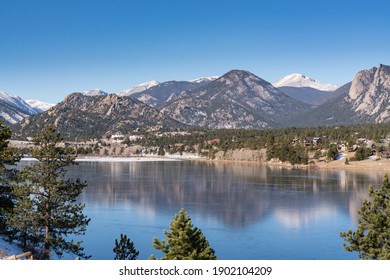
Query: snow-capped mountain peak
{"type": "Point", "coordinates": [43, 106]}
{"type": "Point", "coordinates": [94, 92]}
{"type": "Point", "coordinates": [204, 79]}
{"type": "Point", "coordinates": [139, 88]}
{"type": "Point", "coordinates": [299, 80]}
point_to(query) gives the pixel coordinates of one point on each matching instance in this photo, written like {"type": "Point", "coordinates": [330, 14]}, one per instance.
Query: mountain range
{"type": "Point", "coordinates": [84, 117]}
{"type": "Point", "coordinates": [237, 99]}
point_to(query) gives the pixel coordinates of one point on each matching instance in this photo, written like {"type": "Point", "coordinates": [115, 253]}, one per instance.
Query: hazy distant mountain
{"type": "Point", "coordinates": [87, 117]}
{"type": "Point", "coordinates": [305, 89]}
{"type": "Point", "coordinates": [39, 105]}
{"type": "Point", "coordinates": [238, 99]}
{"type": "Point", "coordinates": [13, 108]}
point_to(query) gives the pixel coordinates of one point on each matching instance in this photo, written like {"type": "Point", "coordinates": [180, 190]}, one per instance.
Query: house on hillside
{"type": "Point", "coordinates": [385, 154]}
{"type": "Point", "coordinates": [117, 138]}
{"type": "Point", "coordinates": [136, 137]}
{"type": "Point", "coordinates": [212, 141]}
{"type": "Point", "coordinates": [313, 141]}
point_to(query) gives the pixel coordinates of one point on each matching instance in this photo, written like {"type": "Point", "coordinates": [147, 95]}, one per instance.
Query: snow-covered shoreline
{"type": "Point", "coordinates": [123, 159]}
{"type": "Point", "coordinates": [128, 159]}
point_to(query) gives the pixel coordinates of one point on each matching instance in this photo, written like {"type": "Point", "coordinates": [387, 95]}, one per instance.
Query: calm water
{"type": "Point", "coordinates": [246, 211]}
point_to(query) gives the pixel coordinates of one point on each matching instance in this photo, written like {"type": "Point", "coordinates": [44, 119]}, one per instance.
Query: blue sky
{"type": "Point", "coordinates": [49, 49]}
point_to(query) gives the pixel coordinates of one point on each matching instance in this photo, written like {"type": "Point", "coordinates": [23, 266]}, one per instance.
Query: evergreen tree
{"type": "Point", "coordinates": [332, 152]}
{"type": "Point", "coordinates": [372, 236]}
{"type": "Point", "coordinates": [161, 151]}
{"type": "Point", "coordinates": [46, 211]}
{"type": "Point", "coordinates": [8, 157]}
{"type": "Point", "coordinates": [362, 153]}
{"type": "Point", "coordinates": [124, 249]}
{"type": "Point", "coordinates": [184, 241]}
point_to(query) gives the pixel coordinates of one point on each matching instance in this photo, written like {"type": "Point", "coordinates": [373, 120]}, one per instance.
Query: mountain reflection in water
{"type": "Point", "coordinates": [266, 213]}
{"type": "Point", "coordinates": [237, 194]}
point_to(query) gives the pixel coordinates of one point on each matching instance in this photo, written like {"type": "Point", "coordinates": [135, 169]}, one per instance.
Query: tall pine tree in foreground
{"type": "Point", "coordinates": [46, 211]}
{"type": "Point", "coordinates": [372, 237]}
{"type": "Point", "coordinates": [8, 157]}
{"type": "Point", "coordinates": [184, 241]}
{"type": "Point", "coordinates": [124, 249]}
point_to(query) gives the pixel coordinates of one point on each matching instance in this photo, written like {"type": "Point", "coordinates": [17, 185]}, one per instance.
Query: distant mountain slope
{"type": "Point", "coordinates": [307, 95]}
{"type": "Point", "coordinates": [87, 117]}
{"type": "Point", "coordinates": [161, 93]}
{"type": "Point", "coordinates": [335, 111]}
{"type": "Point", "coordinates": [238, 99]}
{"type": "Point", "coordinates": [13, 108]}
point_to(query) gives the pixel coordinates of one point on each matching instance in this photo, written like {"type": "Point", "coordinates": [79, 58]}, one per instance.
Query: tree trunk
{"type": "Point", "coordinates": [46, 250]}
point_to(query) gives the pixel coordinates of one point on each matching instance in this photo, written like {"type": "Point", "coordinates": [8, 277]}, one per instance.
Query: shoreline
{"type": "Point", "coordinates": [364, 165]}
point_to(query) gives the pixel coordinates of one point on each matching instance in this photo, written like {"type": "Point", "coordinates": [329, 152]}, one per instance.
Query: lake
{"type": "Point", "coordinates": [246, 211]}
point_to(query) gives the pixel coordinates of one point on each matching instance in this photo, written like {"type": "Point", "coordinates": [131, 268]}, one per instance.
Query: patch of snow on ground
{"type": "Point", "coordinates": [123, 159]}
{"type": "Point", "coordinates": [340, 156]}
{"type": "Point", "coordinates": [115, 159]}
{"type": "Point", "coordinates": [7, 249]}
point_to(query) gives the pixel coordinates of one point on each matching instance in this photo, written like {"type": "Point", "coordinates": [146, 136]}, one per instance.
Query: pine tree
{"type": "Point", "coordinates": [46, 211]}
{"type": "Point", "coordinates": [184, 241]}
{"type": "Point", "coordinates": [8, 157]}
{"type": "Point", "coordinates": [124, 249]}
{"type": "Point", "coordinates": [372, 236]}
{"type": "Point", "coordinates": [161, 151]}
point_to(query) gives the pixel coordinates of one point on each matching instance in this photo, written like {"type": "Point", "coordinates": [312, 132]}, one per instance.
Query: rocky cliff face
{"type": "Point", "coordinates": [238, 99]}
{"type": "Point", "coordinates": [369, 94]}
{"type": "Point", "coordinates": [86, 117]}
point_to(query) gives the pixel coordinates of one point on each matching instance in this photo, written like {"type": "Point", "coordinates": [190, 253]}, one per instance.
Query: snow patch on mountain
{"type": "Point", "coordinates": [299, 80]}
{"type": "Point", "coordinates": [139, 88]}
{"type": "Point", "coordinates": [204, 79]}
{"type": "Point", "coordinates": [18, 102]}
{"type": "Point", "coordinates": [43, 106]}
{"type": "Point", "coordinates": [94, 92]}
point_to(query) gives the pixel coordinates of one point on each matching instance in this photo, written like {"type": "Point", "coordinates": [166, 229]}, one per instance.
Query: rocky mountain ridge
{"type": "Point", "coordinates": [88, 117]}
{"type": "Point", "coordinates": [238, 99]}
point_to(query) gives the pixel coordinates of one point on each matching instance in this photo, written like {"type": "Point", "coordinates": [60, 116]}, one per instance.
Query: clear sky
{"type": "Point", "coordinates": [50, 48]}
